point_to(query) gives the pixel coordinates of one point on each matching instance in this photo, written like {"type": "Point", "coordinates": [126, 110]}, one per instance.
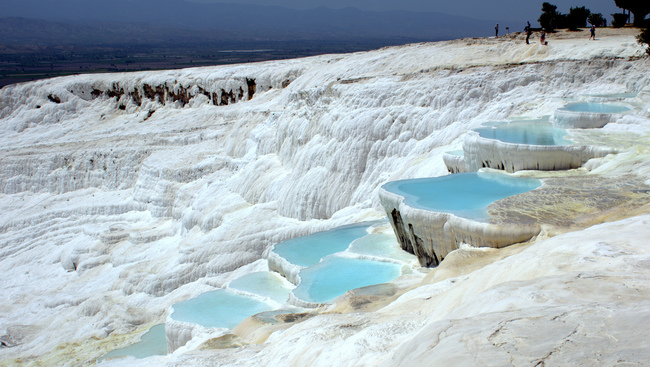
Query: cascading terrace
{"type": "Point", "coordinates": [431, 217]}
{"type": "Point", "coordinates": [321, 267]}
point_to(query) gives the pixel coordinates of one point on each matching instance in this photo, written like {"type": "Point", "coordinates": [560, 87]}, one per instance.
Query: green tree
{"type": "Point", "coordinates": [550, 17]}
{"type": "Point", "coordinates": [596, 19]}
{"type": "Point", "coordinates": [619, 20]}
{"type": "Point", "coordinates": [577, 18]}
{"type": "Point", "coordinates": [639, 8]}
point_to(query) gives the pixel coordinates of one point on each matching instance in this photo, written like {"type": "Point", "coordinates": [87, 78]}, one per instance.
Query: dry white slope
{"type": "Point", "coordinates": [110, 215]}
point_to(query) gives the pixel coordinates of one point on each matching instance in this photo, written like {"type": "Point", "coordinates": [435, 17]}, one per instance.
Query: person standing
{"type": "Point", "coordinates": [529, 32]}
{"type": "Point", "coordinates": [542, 37]}
{"type": "Point", "coordinates": [593, 32]}
{"type": "Point", "coordinates": [496, 30]}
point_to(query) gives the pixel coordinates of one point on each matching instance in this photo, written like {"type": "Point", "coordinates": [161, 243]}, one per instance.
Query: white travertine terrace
{"type": "Point", "coordinates": [616, 97]}
{"type": "Point", "coordinates": [567, 119]}
{"type": "Point", "coordinates": [644, 95]}
{"type": "Point", "coordinates": [482, 152]}
{"type": "Point", "coordinates": [178, 333]}
{"type": "Point", "coordinates": [455, 163]}
{"type": "Point", "coordinates": [431, 235]}
{"type": "Point", "coordinates": [282, 266]}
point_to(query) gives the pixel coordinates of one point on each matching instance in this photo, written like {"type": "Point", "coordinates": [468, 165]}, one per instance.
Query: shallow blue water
{"type": "Point", "coordinates": [532, 133]}
{"type": "Point", "coordinates": [219, 308]}
{"type": "Point", "coordinates": [308, 250]}
{"type": "Point", "coordinates": [152, 343]}
{"type": "Point", "coordinates": [379, 245]}
{"type": "Point", "coordinates": [336, 275]}
{"type": "Point", "coordinates": [463, 194]}
{"type": "Point", "coordinates": [493, 123]}
{"type": "Point", "coordinates": [264, 283]}
{"type": "Point", "coordinates": [595, 107]}
{"type": "Point", "coordinates": [516, 121]}
{"type": "Point", "coordinates": [459, 153]}
{"type": "Point", "coordinates": [615, 95]}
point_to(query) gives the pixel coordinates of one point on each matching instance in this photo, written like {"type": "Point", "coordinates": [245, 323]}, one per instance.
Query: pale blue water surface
{"type": "Point", "coordinates": [463, 194]}
{"type": "Point", "coordinates": [614, 95]}
{"type": "Point", "coordinates": [336, 275]}
{"type": "Point", "coordinates": [264, 283]}
{"type": "Point", "coordinates": [531, 133]}
{"type": "Point", "coordinates": [152, 343]}
{"type": "Point", "coordinates": [459, 153]}
{"type": "Point", "coordinates": [380, 245]}
{"type": "Point", "coordinates": [308, 250]}
{"type": "Point", "coordinates": [219, 308]}
{"type": "Point", "coordinates": [595, 107]}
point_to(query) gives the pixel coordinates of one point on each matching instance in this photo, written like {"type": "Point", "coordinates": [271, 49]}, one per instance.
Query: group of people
{"type": "Point", "coordinates": [542, 36]}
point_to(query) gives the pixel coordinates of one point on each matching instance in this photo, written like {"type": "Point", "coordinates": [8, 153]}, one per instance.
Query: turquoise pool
{"type": "Point", "coordinates": [379, 245]}
{"type": "Point", "coordinates": [458, 153]}
{"type": "Point", "coordinates": [595, 107]}
{"type": "Point", "coordinates": [219, 309]}
{"type": "Point", "coordinates": [615, 95]}
{"type": "Point", "coordinates": [336, 275]}
{"type": "Point", "coordinates": [463, 194]}
{"type": "Point", "coordinates": [308, 250]}
{"type": "Point", "coordinates": [531, 133]}
{"type": "Point", "coordinates": [152, 343]}
{"type": "Point", "coordinates": [264, 283]}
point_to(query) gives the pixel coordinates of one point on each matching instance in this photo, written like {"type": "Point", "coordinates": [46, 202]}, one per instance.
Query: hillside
{"type": "Point", "coordinates": [122, 194]}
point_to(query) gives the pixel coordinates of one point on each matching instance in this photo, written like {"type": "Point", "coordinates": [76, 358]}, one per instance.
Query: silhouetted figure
{"type": "Point", "coordinates": [529, 32]}
{"type": "Point", "coordinates": [593, 32]}
{"type": "Point", "coordinates": [542, 38]}
{"type": "Point", "coordinates": [496, 30]}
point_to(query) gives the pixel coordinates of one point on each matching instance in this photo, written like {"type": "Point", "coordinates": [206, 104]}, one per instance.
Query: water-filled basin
{"type": "Point", "coordinates": [264, 283]}
{"type": "Point", "coordinates": [219, 309]}
{"type": "Point", "coordinates": [463, 194]}
{"type": "Point", "coordinates": [152, 343]}
{"type": "Point", "coordinates": [531, 133]}
{"type": "Point", "coordinates": [308, 250]}
{"type": "Point", "coordinates": [458, 153]}
{"type": "Point", "coordinates": [613, 96]}
{"type": "Point", "coordinates": [336, 275]}
{"type": "Point", "coordinates": [379, 245]}
{"type": "Point", "coordinates": [590, 107]}
{"type": "Point", "coordinates": [587, 115]}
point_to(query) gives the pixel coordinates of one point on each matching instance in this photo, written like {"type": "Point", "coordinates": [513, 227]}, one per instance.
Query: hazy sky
{"type": "Point", "coordinates": [480, 9]}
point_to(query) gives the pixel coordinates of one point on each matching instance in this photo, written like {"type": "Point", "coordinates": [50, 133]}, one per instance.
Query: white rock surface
{"type": "Point", "coordinates": [565, 119]}
{"type": "Point", "coordinates": [482, 152]}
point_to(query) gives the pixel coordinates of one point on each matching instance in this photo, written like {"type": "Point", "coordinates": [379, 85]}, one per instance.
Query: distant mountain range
{"type": "Point", "coordinates": [76, 22]}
